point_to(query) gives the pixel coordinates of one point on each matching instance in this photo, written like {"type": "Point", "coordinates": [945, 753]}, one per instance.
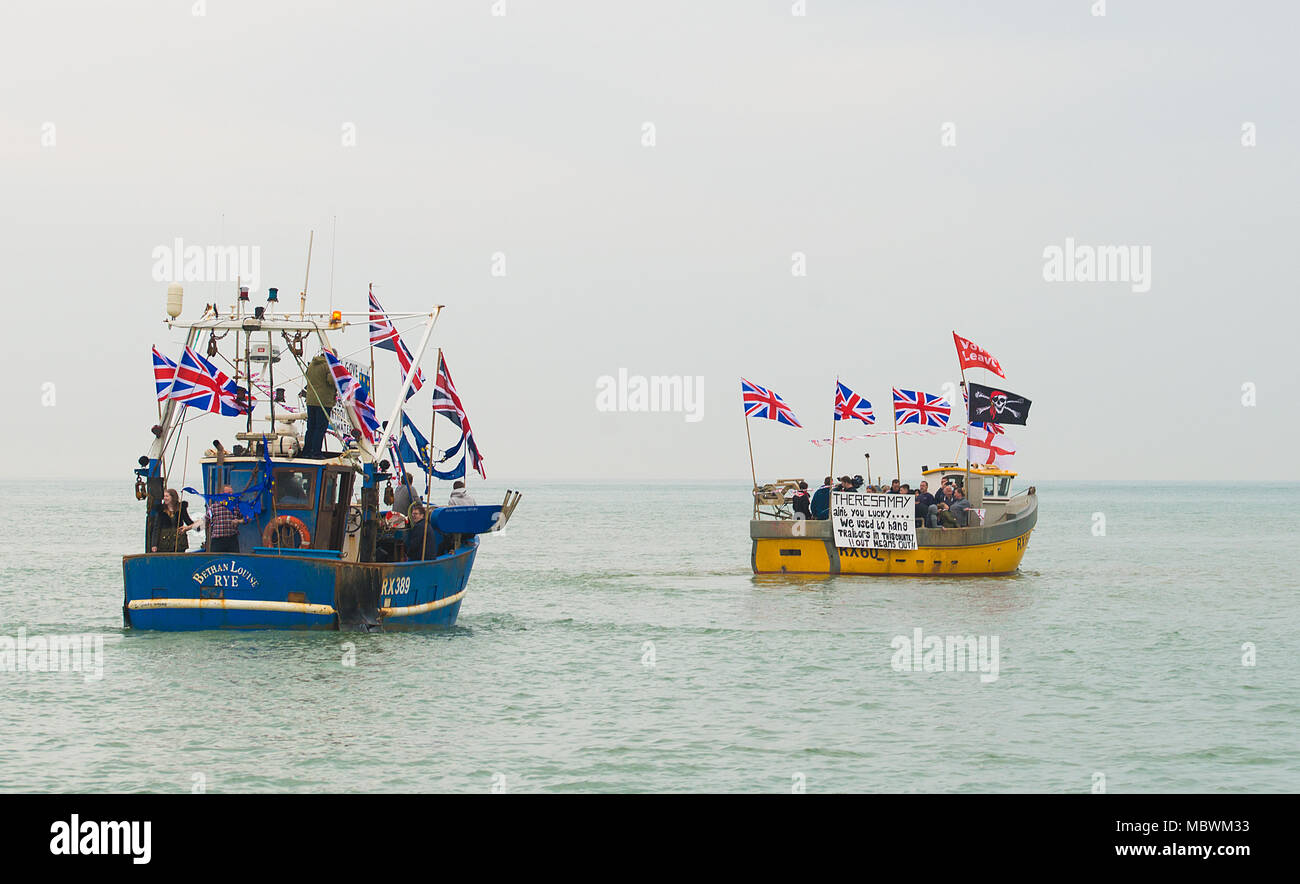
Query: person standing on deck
{"type": "Point", "coordinates": [223, 525]}
{"type": "Point", "coordinates": [321, 396]}
{"type": "Point", "coordinates": [404, 495]}
{"type": "Point", "coordinates": [171, 522]}
{"type": "Point", "coordinates": [925, 500]}
{"type": "Point", "coordinates": [821, 501]}
{"type": "Point", "coordinates": [458, 495]}
{"type": "Point", "coordinates": [802, 508]}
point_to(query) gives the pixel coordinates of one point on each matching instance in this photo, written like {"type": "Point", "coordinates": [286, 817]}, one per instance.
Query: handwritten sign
{"type": "Point", "coordinates": [873, 521]}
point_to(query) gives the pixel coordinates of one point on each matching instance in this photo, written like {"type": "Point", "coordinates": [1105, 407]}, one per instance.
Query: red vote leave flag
{"type": "Point", "coordinates": [971, 356]}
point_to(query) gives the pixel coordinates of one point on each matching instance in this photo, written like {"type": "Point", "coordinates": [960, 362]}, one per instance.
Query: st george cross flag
{"type": "Point", "coordinates": [997, 405]}
{"type": "Point", "coordinates": [764, 403]}
{"type": "Point", "coordinates": [850, 406]}
{"type": "Point", "coordinates": [988, 447]}
{"type": "Point", "coordinates": [356, 398]}
{"type": "Point", "coordinates": [384, 335]}
{"type": "Point", "coordinates": [926, 409]}
{"type": "Point", "coordinates": [971, 356]}
{"type": "Point", "coordinates": [164, 375]}
{"type": "Point", "coordinates": [447, 402]}
{"type": "Point", "coordinates": [199, 384]}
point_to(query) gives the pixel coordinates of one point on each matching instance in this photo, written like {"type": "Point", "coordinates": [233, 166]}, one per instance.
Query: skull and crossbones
{"type": "Point", "coordinates": [999, 402]}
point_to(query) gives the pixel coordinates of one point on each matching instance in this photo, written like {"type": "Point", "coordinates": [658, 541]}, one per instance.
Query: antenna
{"type": "Point", "coordinates": [333, 238]}
{"type": "Point", "coordinates": [302, 297]}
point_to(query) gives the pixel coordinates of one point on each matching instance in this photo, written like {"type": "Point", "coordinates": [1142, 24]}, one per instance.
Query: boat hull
{"type": "Point", "coordinates": [798, 547]}
{"type": "Point", "coordinates": [195, 591]}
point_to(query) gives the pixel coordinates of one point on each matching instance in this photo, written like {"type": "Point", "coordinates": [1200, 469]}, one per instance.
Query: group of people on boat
{"type": "Point", "coordinates": [422, 539]}
{"type": "Point", "coordinates": [949, 508]}
{"type": "Point", "coordinates": [172, 523]}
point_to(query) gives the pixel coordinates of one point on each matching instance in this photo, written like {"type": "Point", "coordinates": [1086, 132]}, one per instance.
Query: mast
{"type": "Point", "coordinates": [270, 367]}
{"type": "Point", "coordinates": [302, 296]}
{"type": "Point", "coordinates": [373, 395]}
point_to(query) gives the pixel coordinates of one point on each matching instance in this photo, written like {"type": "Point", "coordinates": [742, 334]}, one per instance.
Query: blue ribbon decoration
{"type": "Point", "coordinates": [247, 509]}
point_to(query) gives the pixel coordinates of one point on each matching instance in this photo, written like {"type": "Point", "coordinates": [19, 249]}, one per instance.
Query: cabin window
{"type": "Point", "coordinates": [1004, 487]}
{"type": "Point", "coordinates": [295, 489]}
{"type": "Point", "coordinates": [990, 485]}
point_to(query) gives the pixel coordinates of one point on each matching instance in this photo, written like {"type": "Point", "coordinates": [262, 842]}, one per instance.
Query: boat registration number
{"type": "Point", "coordinates": [395, 586]}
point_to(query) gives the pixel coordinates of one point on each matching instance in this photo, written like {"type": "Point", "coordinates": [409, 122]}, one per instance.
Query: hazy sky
{"type": "Point", "coordinates": [126, 125]}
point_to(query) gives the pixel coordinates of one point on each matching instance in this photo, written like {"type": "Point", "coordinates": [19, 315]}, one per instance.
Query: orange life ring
{"type": "Point", "coordinates": [273, 528]}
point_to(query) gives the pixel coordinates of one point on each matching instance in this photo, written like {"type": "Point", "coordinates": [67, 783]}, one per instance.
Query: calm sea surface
{"type": "Point", "coordinates": [613, 639]}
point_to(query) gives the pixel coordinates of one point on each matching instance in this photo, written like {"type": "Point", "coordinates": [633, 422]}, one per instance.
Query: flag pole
{"type": "Point", "coordinates": [388, 434]}
{"type": "Point", "coordinates": [966, 398]}
{"type": "Point", "coordinates": [898, 469]}
{"type": "Point", "coordinates": [966, 481]}
{"type": "Point", "coordinates": [752, 471]}
{"type": "Point", "coordinates": [433, 423]}
{"type": "Point", "coordinates": [374, 397]}
{"type": "Point", "coordinates": [834, 421]}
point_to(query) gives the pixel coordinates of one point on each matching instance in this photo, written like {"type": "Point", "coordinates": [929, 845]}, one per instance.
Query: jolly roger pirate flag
{"type": "Point", "coordinates": [999, 406]}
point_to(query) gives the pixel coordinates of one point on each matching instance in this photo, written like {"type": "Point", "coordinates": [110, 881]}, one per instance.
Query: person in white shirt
{"type": "Point", "coordinates": [459, 497]}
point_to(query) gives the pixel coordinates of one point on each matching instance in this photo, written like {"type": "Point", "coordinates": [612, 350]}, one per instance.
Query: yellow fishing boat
{"type": "Point", "coordinates": [994, 542]}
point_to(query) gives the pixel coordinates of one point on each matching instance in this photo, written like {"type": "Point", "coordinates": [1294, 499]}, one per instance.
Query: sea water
{"type": "Point", "coordinates": [614, 639]}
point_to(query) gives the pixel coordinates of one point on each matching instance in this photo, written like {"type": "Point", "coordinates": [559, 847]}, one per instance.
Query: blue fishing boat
{"type": "Point", "coordinates": [306, 541]}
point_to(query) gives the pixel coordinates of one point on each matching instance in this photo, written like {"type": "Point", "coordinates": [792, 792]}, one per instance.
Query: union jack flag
{"type": "Point", "coordinates": [164, 375]}
{"type": "Point", "coordinates": [447, 401]}
{"type": "Point", "coordinates": [199, 384]}
{"type": "Point", "coordinates": [850, 406]}
{"type": "Point", "coordinates": [356, 397]}
{"type": "Point", "coordinates": [385, 336]}
{"type": "Point", "coordinates": [764, 403]}
{"type": "Point", "coordinates": [914, 407]}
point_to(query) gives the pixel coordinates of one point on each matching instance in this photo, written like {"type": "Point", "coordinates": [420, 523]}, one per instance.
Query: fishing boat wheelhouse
{"type": "Point", "coordinates": [314, 549]}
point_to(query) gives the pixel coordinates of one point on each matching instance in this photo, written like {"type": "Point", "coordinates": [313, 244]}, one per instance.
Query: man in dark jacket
{"type": "Point", "coordinates": [923, 501]}
{"type": "Point", "coordinates": [421, 537]}
{"type": "Point", "coordinates": [821, 501]}
{"type": "Point", "coordinates": [802, 507]}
